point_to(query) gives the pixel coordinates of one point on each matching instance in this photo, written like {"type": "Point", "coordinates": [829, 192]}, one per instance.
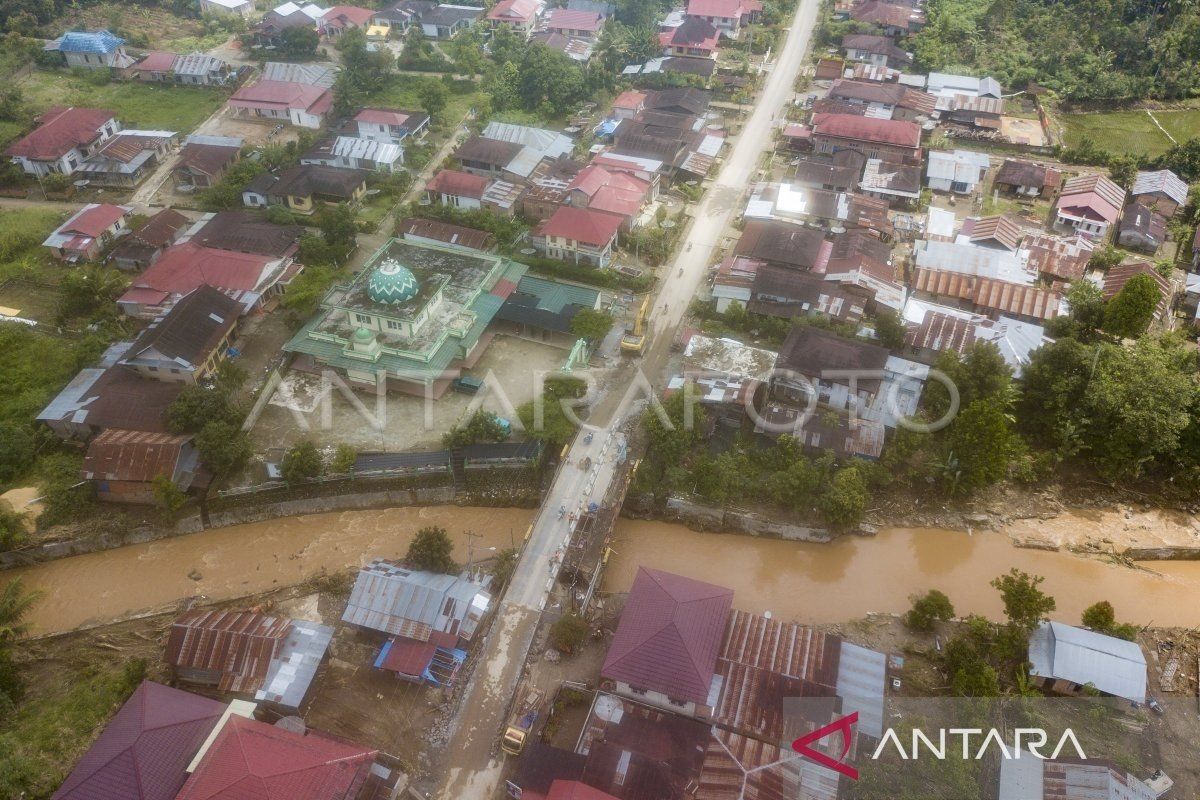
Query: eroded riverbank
{"type": "Point", "coordinates": [246, 559]}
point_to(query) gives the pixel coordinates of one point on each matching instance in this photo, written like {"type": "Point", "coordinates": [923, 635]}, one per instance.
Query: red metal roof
{"type": "Point", "coordinates": [306, 97]}
{"type": "Point", "coordinates": [866, 129]}
{"type": "Point", "coordinates": [382, 116]}
{"type": "Point", "coordinates": [1009, 298]}
{"type": "Point", "coordinates": [60, 130]}
{"type": "Point", "coordinates": [250, 760]}
{"type": "Point", "coordinates": [158, 61]}
{"type": "Point", "coordinates": [669, 635]}
{"type": "Point", "coordinates": [630, 99]}
{"type": "Point", "coordinates": [595, 228]}
{"type": "Point", "coordinates": [412, 657]}
{"type": "Point", "coordinates": [347, 14]}
{"type": "Point", "coordinates": [237, 644]}
{"type": "Point", "coordinates": [144, 750]}
{"type": "Point", "coordinates": [183, 267]}
{"type": "Point", "coordinates": [568, 19]}
{"type": "Point", "coordinates": [93, 220]}
{"type": "Point", "coordinates": [514, 10]}
{"type": "Point", "coordinates": [457, 184]}
{"type": "Point", "coordinates": [716, 8]}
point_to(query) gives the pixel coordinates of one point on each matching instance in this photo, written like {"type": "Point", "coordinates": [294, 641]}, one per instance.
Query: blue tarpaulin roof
{"type": "Point", "coordinates": [89, 42]}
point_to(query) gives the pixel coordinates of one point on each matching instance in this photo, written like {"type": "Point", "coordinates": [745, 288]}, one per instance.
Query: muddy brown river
{"type": "Point", "coordinates": [813, 583]}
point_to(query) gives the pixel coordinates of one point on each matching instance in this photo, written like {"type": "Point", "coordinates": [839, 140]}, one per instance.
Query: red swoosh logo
{"type": "Point", "coordinates": [844, 726]}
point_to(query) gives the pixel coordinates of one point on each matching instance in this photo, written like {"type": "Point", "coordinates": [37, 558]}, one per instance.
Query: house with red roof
{"type": "Point", "coordinates": [251, 759]}
{"type": "Point", "coordinates": [612, 192]}
{"type": "Point", "coordinates": [63, 138]}
{"type": "Point", "coordinates": [1090, 205]}
{"type": "Point", "coordinates": [249, 278]}
{"type": "Point", "coordinates": [573, 23]}
{"type": "Point", "coordinates": [629, 104]}
{"type": "Point", "coordinates": [695, 37]}
{"type": "Point", "coordinates": [579, 235]}
{"type": "Point", "coordinates": [340, 19]}
{"type": "Point", "coordinates": [88, 231]}
{"type": "Point", "coordinates": [303, 105]}
{"type": "Point", "coordinates": [452, 187]}
{"type": "Point", "coordinates": [727, 16]}
{"type": "Point", "coordinates": [144, 751]}
{"type": "Point", "coordinates": [888, 139]}
{"type": "Point", "coordinates": [664, 652]}
{"type": "Point", "coordinates": [520, 15]}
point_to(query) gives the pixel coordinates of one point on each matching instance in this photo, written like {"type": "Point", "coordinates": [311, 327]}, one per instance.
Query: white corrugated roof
{"type": "Point", "coordinates": [965, 166]}
{"type": "Point", "coordinates": [968, 259]}
{"type": "Point", "coordinates": [1064, 652]}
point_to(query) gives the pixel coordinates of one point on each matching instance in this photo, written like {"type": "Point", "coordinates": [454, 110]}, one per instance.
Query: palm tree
{"type": "Point", "coordinates": [15, 603]}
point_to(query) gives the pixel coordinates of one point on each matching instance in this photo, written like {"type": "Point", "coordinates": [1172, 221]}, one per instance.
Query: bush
{"type": "Point", "coordinates": [278, 215]}
{"type": "Point", "coordinates": [432, 551]}
{"type": "Point", "coordinates": [483, 426]}
{"type": "Point", "coordinates": [568, 633]}
{"type": "Point", "coordinates": [927, 610]}
{"type": "Point", "coordinates": [301, 462]}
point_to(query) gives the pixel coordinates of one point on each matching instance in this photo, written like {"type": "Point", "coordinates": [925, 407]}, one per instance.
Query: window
{"type": "Point", "coordinates": [639, 691]}
{"type": "Point", "coordinates": [365, 319]}
{"type": "Point", "coordinates": [395, 326]}
{"type": "Point", "coordinates": [675, 701]}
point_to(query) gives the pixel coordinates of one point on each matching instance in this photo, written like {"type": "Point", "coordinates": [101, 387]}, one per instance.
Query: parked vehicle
{"type": "Point", "coordinates": [467, 385]}
{"type": "Point", "coordinates": [521, 723]}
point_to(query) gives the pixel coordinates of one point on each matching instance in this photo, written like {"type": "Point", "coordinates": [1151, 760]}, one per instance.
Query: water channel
{"type": "Point", "coordinates": [813, 583]}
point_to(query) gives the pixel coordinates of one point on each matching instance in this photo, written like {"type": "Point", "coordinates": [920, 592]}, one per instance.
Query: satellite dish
{"type": "Point", "coordinates": [528, 251]}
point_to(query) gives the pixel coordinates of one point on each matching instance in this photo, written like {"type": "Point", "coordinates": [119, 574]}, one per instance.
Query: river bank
{"type": "Point", "coordinates": [814, 582]}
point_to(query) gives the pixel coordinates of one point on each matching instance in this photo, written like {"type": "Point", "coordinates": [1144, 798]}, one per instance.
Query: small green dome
{"type": "Point", "coordinates": [392, 283]}
{"type": "Point", "coordinates": [363, 335]}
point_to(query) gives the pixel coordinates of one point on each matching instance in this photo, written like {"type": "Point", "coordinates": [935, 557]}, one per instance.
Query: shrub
{"type": "Point", "coordinates": [568, 633]}
{"type": "Point", "coordinates": [431, 550]}
{"type": "Point", "coordinates": [928, 609]}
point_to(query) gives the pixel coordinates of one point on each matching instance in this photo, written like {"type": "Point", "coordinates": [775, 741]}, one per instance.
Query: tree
{"type": "Point", "coordinates": [466, 51]}
{"type": "Point", "coordinates": [890, 329]}
{"type": "Point", "coordinates": [222, 446]}
{"type": "Point", "coordinates": [1085, 300]}
{"type": "Point", "coordinates": [670, 442]}
{"type": "Point", "coordinates": [970, 674]}
{"type": "Point", "coordinates": [1025, 604]}
{"type": "Point", "coordinates": [1131, 310]}
{"type": "Point", "coordinates": [504, 566]}
{"type": "Point", "coordinates": [1183, 159]}
{"type": "Point", "coordinates": [301, 462]}
{"type": "Point", "coordinates": [87, 289]}
{"type": "Point", "coordinates": [299, 43]}
{"type": "Point", "coordinates": [434, 97]}
{"type": "Point", "coordinates": [197, 406]}
{"type": "Point", "coordinates": [982, 440]}
{"type": "Point", "coordinates": [364, 71]}
{"type": "Point", "coordinates": [336, 223]}
{"type": "Point", "coordinates": [483, 426]}
{"type": "Point", "coordinates": [1102, 618]}
{"type": "Point", "coordinates": [568, 633]}
{"type": "Point", "coordinates": [343, 459]}
{"type": "Point", "coordinates": [15, 603]}
{"type": "Point", "coordinates": [928, 609]}
{"type": "Point", "coordinates": [556, 426]}
{"type": "Point", "coordinates": [504, 84]}
{"type": "Point", "coordinates": [1122, 170]}
{"type": "Point", "coordinates": [167, 495]}
{"type": "Point", "coordinates": [549, 77]}
{"type": "Point", "coordinates": [979, 373]}
{"type": "Point", "coordinates": [16, 449]}
{"type": "Point", "coordinates": [591, 324]}
{"type": "Point", "coordinates": [845, 501]}
{"type": "Point", "coordinates": [12, 527]}
{"type": "Point", "coordinates": [432, 551]}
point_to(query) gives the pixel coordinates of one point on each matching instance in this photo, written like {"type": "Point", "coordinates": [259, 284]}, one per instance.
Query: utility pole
{"type": "Point", "coordinates": [471, 537]}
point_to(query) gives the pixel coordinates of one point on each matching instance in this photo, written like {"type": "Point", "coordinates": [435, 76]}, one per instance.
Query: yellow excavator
{"type": "Point", "coordinates": [634, 341]}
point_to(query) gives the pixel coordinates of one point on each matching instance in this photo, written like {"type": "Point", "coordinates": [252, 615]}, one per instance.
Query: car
{"type": "Point", "coordinates": [467, 385]}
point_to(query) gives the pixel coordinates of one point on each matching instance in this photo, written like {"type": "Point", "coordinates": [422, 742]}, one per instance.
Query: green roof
{"type": "Point", "coordinates": [554, 296]}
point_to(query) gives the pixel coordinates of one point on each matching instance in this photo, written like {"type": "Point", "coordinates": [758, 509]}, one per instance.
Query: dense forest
{"type": "Point", "coordinates": [1084, 50]}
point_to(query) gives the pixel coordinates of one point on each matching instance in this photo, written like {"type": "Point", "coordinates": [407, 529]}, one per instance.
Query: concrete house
{"type": "Point", "coordinates": [520, 15]}
{"type": "Point", "coordinates": [664, 652]}
{"type": "Point", "coordinates": [92, 50]}
{"type": "Point", "coordinates": [63, 138]}
{"type": "Point", "coordinates": [301, 104]}
{"type": "Point", "coordinates": [894, 140]}
{"type": "Point", "coordinates": [1141, 228]}
{"type": "Point", "coordinates": [390, 125]}
{"type": "Point", "coordinates": [203, 160]}
{"type": "Point", "coordinates": [188, 342]}
{"type": "Point", "coordinates": [304, 188]}
{"type": "Point", "coordinates": [879, 51]}
{"type": "Point", "coordinates": [696, 38]}
{"type": "Point", "coordinates": [727, 16]}
{"type": "Point", "coordinates": [1090, 205]}
{"type": "Point", "coordinates": [144, 244]}
{"type": "Point", "coordinates": [450, 187]}
{"type": "Point", "coordinates": [574, 24]}
{"type": "Point", "coordinates": [349, 152]}
{"type": "Point", "coordinates": [578, 235]}
{"type": "Point", "coordinates": [128, 158]}
{"type": "Point", "coordinates": [1027, 179]}
{"type": "Point", "coordinates": [446, 21]}
{"type": "Point", "coordinates": [88, 232]}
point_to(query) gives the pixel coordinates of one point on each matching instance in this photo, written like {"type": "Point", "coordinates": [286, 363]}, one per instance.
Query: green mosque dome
{"type": "Point", "coordinates": [364, 336]}
{"type": "Point", "coordinates": [392, 283]}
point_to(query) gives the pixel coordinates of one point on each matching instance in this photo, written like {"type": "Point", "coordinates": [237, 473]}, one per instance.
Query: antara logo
{"type": "Point", "coordinates": [1026, 741]}
{"type": "Point", "coordinates": [844, 726]}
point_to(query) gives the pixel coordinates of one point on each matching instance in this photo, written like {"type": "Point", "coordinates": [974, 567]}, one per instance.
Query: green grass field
{"type": "Point", "coordinates": [1132, 131]}
{"type": "Point", "coordinates": [403, 91]}
{"type": "Point", "coordinates": [137, 105]}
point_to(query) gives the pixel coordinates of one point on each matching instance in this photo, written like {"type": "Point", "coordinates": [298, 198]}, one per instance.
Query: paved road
{"type": "Point", "coordinates": [474, 773]}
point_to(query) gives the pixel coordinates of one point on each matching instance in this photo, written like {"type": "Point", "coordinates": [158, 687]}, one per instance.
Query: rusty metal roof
{"type": "Point", "coordinates": [141, 456]}
{"type": "Point", "coordinates": [989, 293]}
{"type": "Point", "coordinates": [784, 647]}
{"type": "Point", "coordinates": [238, 644]}
{"type": "Point", "coordinates": [741, 768]}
